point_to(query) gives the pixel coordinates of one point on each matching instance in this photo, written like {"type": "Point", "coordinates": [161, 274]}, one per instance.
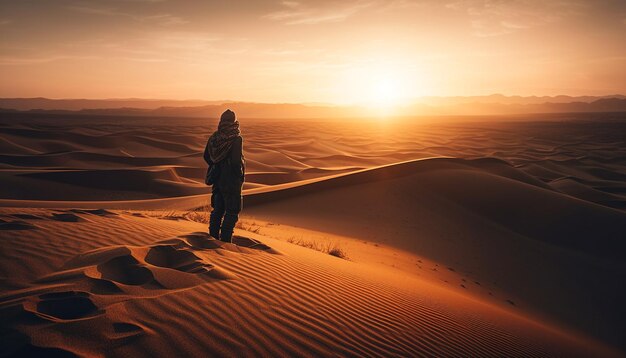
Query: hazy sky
{"type": "Point", "coordinates": [310, 51]}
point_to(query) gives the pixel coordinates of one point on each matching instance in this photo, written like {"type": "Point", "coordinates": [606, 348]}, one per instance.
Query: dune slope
{"type": "Point", "coordinates": [129, 285]}
{"type": "Point", "coordinates": [559, 256]}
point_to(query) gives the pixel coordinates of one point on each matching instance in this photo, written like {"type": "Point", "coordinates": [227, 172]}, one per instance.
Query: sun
{"type": "Point", "coordinates": [379, 87]}
{"type": "Point", "coordinates": [385, 93]}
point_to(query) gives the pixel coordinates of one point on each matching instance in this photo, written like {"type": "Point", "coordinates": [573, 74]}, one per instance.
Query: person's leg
{"type": "Point", "coordinates": [215, 220]}
{"type": "Point", "coordinates": [232, 203]}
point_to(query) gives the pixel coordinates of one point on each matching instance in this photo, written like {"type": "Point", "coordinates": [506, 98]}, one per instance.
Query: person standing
{"type": "Point", "coordinates": [224, 155]}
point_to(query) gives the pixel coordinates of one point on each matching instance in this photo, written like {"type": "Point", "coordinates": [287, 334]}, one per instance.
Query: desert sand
{"type": "Point", "coordinates": [471, 238]}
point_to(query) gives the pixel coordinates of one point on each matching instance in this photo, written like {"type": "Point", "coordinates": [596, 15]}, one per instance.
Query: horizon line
{"type": "Point", "coordinates": [307, 103]}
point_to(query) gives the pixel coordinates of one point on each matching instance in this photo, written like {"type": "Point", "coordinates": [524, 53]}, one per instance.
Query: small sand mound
{"type": "Point", "coordinates": [177, 259]}
{"type": "Point", "coordinates": [251, 243]}
{"type": "Point", "coordinates": [67, 217]}
{"type": "Point", "coordinates": [16, 225]}
{"type": "Point", "coordinates": [202, 240]}
{"type": "Point", "coordinates": [27, 217]}
{"type": "Point", "coordinates": [97, 256]}
{"type": "Point", "coordinates": [126, 330]}
{"type": "Point", "coordinates": [98, 212]}
{"type": "Point", "coordinates": [126, 270]}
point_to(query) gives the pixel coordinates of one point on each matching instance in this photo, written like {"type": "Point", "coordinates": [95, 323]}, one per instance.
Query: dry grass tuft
{"type": "Point", "coordinates": [200, 215]}
{"type": "Point", "coordinates": [332, 249]}
{"type": "Point", "coordinates": [250, 227]}
{"type": "Point", "coordinates": [338, 252]}
{"type": "Point", "coordinates": [164, 214]}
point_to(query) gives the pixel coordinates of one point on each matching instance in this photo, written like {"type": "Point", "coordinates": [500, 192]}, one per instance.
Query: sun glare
{"type": "Point", "coordinates": [381, 87]}
{"type": "Point", "coordinates": [378, 86]}
{"type": "Point", "coordinates": [385, 93]}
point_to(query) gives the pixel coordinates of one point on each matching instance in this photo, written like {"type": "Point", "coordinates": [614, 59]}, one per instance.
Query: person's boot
{"type": "Point", "coordinates": [214, 226]}
{"type": "Point", "coordinates": [227, 236]}
{"type": "Point", "coordinates": [228, 226]}
{"type": "Point", "coordinates": [214, 234]}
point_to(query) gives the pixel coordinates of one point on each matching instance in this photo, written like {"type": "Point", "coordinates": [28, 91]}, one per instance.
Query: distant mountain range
{"type": "Point", "coordinates": [25, 104]}
{"type": "Point", "coordinates": [502, 99]}
{"type": "Point", "coordinates": [611, 104]}
{"type": "Point", "coordinates": [476, 105]}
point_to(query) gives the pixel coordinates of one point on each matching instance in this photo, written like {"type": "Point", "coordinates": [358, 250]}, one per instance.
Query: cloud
{"type": "Point", "coordinates": [160, 46]}
{"type": "Point", "coordinates": [13, 60]}
{"type": "Point", "coordinates": [178, 47]}
{"type": "Point", "coordinates": [298, 13]}
{"type": "Point", "coordinates": [162, 19]}
{"type": "Point", "coordinates": [497, 17]}
{"type": "Point", "coordinates": [165, 19]}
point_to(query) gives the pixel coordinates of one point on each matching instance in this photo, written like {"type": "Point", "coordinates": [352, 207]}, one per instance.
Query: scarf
{"type": "Point", "coordinates": [222, 139]}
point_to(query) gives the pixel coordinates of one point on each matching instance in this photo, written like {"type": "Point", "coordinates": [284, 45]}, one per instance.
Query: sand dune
{"type": "Point", "coordinates": [564, 255]}
{"type": "Point", "coordinates": [158, 287]}
{"type": "Point", "coordinates": [473, 239]}
{"type": "Point", "coordinates": [165, 153]}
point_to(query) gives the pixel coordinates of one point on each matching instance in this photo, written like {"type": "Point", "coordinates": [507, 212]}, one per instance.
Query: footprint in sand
{"type": "Point", "coordinates": [68, 310]}
{"type": "Point", "coordinates": [68, 305]}
{"type": "Point", "coordinates": [92, 287]}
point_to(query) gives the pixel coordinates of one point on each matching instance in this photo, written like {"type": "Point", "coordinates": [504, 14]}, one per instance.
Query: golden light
{"type": "Point", "coordinates": [385, 93]}
{"type": "Point", "coordinates": [380, 86]}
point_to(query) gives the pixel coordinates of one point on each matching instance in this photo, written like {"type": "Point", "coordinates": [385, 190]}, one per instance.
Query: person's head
{"type": "Point", "coordinates": [228, 116]}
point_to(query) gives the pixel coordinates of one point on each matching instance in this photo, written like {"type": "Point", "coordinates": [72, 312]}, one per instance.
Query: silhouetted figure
{"type": "Point", "coordinates": [224, 154]}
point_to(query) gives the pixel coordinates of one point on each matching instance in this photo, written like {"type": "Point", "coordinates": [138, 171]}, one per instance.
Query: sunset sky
{"type": "Point", "coordinates": [311, 51]}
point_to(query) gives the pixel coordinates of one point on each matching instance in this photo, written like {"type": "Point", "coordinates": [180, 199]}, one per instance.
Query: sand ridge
{"type": "Point", "coordinates": [48, 158]}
